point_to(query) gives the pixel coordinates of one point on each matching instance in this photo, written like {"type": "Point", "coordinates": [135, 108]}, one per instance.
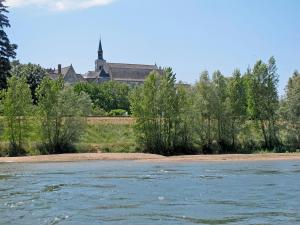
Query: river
{"type": "Point", "coordinates": [130, 192]}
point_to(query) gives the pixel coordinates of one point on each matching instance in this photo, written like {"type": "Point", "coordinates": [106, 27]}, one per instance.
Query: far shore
{"type": "Point", "coordinates": [142, 157]}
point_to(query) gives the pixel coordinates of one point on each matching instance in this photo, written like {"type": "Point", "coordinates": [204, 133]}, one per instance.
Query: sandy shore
{"type": "Point", "coordinates": [150, 157]}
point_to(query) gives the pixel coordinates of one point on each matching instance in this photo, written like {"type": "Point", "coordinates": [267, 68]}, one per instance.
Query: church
{"type": "Point", "coordinates": [104, 71]}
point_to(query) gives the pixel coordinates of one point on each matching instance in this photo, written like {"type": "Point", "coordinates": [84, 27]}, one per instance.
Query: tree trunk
{"type": "Point", "coordinates": [264, 133]}
{"type": "Point", "coordinates": [233, 132]}
{"type": "Point", "coordinates": [20, 133]}
{"type": "Point", "coordinates": [209, 137]}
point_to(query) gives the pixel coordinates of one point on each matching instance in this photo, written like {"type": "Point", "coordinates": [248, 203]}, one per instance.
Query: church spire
{"type": "Point", "coordinates": [100, 51]}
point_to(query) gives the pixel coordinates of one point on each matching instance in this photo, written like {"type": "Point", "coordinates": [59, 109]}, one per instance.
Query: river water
{"type": "Point", "coordinates": [128, 192]}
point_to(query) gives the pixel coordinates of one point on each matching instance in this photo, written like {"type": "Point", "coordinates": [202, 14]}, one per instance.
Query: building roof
{"type": "Point", "coordinates": [64, 70]}
{"type": "Point", "coordinates": [52, 74]}
{"type": "Point", "coordinates": [92, 75]}
{"type": "Point", "coordinates": [107, 71]}
{"type": "Point", "coordinates": [121, 71]}
{"type": "Point", "coordinates": [80, 77]}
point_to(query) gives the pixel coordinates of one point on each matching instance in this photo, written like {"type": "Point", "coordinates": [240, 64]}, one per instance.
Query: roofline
{"type": "Point", "coordinates": [133, 64]}
{"type": "Point", "coordinates": [123, 79]}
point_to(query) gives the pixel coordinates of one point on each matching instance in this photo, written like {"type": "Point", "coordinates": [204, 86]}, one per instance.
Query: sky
{"type": "Point", "coordinates": [188, 35]}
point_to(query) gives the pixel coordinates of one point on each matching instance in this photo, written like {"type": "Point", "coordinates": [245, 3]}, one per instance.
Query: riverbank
{"type": "Point", "coordinates": [102, 134]}
{"type": "Point", "coordinates": [150, 157]}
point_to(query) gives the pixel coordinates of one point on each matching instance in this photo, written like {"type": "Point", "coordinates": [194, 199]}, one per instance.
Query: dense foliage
{"type": "Point", "coordinates": [17, 105]}
{"type": "Point", "coordinates": [110, 95]}
{"type": "Point", "coordinates": [218, 114]}
{"type": "Point", "coordinates": [62, 115]}
{"type": "Point", "coordinates": [160, 108]}
{"type": "Point", "coordinates": [290, 112]}
{"type": "Point", "coordinates": [34, 75]}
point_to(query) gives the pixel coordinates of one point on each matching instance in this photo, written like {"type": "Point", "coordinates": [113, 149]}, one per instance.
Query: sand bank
{"type": "Point", "coordinates": [150, 157]}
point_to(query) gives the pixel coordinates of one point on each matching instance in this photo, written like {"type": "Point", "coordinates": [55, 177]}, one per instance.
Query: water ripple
{"type": "Point", "coordinates": [151, 193]}
{"type": "Point", "coordinates": [53, 188]}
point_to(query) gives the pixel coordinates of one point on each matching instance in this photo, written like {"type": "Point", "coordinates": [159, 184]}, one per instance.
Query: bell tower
{"type": "Point", "coordinates": [100, 51]}
{"type": "Point", "coordinates": [99, 63]}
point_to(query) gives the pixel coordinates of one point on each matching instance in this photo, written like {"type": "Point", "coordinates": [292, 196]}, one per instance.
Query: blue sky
{"type": "Point", "coordinates": [187, 35]}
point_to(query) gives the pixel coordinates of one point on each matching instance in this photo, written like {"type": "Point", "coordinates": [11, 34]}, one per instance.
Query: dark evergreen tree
{"type": "Point", "coordinates": [7, 50]}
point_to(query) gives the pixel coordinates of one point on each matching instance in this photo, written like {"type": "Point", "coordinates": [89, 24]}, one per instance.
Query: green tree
{"type": "Point", "coordinates": [115, 95]}
{"type": "Point", "coordinates": [158, 107]}
{"type": "Point", "coordinates": [17, 107]}
{"type": "Point", "coordinates": [204, 110]}
{"type": "Point", "coordinates": [7, 49]}
{"type": "Point", "coordinates": [219, 85]}
{"type": "Point", "coordinates": [263, 99]}
{"type": "Point", "coordinates": [291, 109]}
{"type": "Point", "coordinates": [146, 110]}
{"type": "Point", "coordinates": [237, 104]}
{"type": "Point", "coordinates": [168, 101]}
{"type": "Point", "coordinates": [186, 122]}
{"type": "Point", "coordinates": [272, 102]}
{"type": "Point", "coordinates": [34, 75]}
{"type": "Point", "coordinates": [108, 95]}
{"type": "Point", "coordinates": [62, 115]}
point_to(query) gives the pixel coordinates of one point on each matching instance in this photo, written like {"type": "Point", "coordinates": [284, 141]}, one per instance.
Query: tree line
{"type": "Point", "coordinates": [109, 98]}
{"type": "Point", "coordinates": [218, 114]}
{"type": "Point", "coordinates": [60, 115]}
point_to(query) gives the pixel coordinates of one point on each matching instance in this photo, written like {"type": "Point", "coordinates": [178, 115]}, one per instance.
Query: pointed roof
{"type": "Point", "coordinates": [64, 70]}
{"type": "Point", "coordinates": [100, 46]}
{"type": "Point", "coordinates": [100, 51]}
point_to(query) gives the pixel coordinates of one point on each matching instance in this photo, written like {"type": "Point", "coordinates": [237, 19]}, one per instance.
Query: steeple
{"type": "Point", "coordinates": [100, 62]}
{"type": "Point", "coordinates": [100, 51]}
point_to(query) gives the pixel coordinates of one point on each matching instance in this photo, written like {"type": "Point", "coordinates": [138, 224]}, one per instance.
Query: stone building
{"type": "Point", "coordinates": [104, 71]}
{"type": "Point", "coordinates": [68, 73]}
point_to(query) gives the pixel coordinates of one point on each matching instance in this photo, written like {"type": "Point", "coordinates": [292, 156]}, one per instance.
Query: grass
{"type": "Point", "coordinates": [102, 134]}
{"type": "Point", "coordinates": [111, 134]}
{"type": "Point", "coordinates": [108, 138]}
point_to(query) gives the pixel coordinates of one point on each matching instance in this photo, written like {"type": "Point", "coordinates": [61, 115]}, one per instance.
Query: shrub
{"type": "Point", "coordinates": [17, 104]}
{"type": "Point", "coordinates": [97, 111]}
{"type": "Point", "coordinates": [62, 116]}
{"type": "Point", "coordinates": [118, 112]}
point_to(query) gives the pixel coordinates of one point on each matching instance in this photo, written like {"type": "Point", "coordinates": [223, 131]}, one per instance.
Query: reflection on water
{"type": "Point", "coordinates": [150, 193]}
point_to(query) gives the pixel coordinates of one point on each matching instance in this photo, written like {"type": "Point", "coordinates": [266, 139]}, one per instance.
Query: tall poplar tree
{"type": "Point", "coordinates": [62, 115]}
{"type": "Point", "coordinates": [237, 104]}
{"type": "Point", "coordinates": [291, 105]}
{"type": "Point", "coordinates": [161, 109]}
{"type": "Point", "coordinates": [17, 104]}
{"type": "Point", "coordinates": [7, 50]}
{"type": "Point", "coordinates": [263, 99]}
{"type": "Point", "coordinates": [149, 118]}
{"type": "Point", "coordinates": [220, 90]}
{"type": "Point", "coordinates": [272, 101]}
{"type": "Point", "coordinates": [204, 109]}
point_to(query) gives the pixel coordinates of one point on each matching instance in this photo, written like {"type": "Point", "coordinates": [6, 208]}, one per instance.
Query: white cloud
{"type": "Point", "coordinates": [59, 5]}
